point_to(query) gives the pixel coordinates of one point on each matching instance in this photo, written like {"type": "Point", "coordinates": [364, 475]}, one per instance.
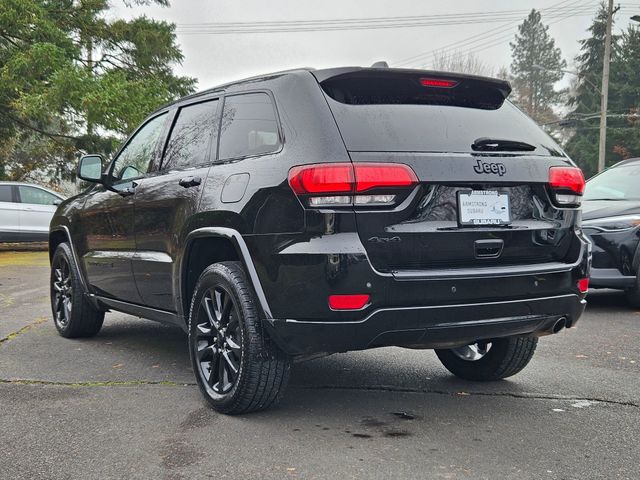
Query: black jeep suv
{"type": "Point", "coordinates": [315, 211]}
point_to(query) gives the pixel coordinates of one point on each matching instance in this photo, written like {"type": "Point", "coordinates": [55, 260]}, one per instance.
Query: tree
{"type": "Point", "coordinates": [536, 67]}
{"type": "Point", "coordinates": [623, 128]}
{"type": "Point", "coordinates": [460, 63]}
{"type": "Point", "coordinates": [70, 75]}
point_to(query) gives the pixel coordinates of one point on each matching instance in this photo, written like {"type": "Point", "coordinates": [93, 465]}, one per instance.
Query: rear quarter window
{"type": "Point", "coordinates": [5, 194]}
{"type": "Point", "coordinates": [249, 126]}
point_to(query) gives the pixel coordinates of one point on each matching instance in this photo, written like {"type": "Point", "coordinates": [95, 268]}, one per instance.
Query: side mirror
{"type": "Point", "coordinates": [90, 168]}
{"type": "Point", "coordinates": [57, 202]}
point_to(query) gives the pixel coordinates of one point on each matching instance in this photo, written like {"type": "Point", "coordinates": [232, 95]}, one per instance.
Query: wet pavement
{"type": "Point", "coordinates": [124, 405]}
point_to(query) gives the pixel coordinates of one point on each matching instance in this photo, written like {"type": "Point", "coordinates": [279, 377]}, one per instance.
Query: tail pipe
{"type": "Point", "coordinates": [559, 325]}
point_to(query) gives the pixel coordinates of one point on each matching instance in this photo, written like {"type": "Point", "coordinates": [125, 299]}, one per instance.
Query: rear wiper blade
{"type": "Point", "coordinates": [486, 144]}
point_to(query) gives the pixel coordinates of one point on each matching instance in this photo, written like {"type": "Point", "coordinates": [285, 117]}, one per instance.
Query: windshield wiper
{"type": "Point", "coordinates": [486, 144]}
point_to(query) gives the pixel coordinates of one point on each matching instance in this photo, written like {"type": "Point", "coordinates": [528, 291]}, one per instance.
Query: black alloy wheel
{"type": "Point", "coordinates": [218, 338]}
{"type": "Point", "coordinates": [237, 366]}
{"type": "Point", "coordinates": [61, 292]}
{"type": "Point", "coordinates": [74, 315]}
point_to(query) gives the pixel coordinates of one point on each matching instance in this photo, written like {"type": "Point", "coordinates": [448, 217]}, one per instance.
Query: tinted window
{"type": "Point", "coordinates": [620, 183]}
{"type": "Point", "coordinates": [36, 196]}
{"type": "Point", "coordinates": [191, 135]}
{"type": "Point", "coordinates": [5, 193]}
{"type": "Point", "coordinates": [249, 126]}
{"type": "Point", "coordinates": [136, 157]}
{"type": "Point", "coordinates": [400, 114]}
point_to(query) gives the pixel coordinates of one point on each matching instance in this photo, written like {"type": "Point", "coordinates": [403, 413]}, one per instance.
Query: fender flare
{"type": "Point", "coordinates": [243, 253]}
{"type": "Point", "coordinates": [64, 229]}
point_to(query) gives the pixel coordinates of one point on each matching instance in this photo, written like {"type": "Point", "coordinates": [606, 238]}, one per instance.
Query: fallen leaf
{"type": "Point", "coordinates": [118, 365]}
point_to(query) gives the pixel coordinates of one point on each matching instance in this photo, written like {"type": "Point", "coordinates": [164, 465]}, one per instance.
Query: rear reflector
{"type": "Point", "coordinates": [342, 183]}
{"type": "Point", "coordinates": [438, 82]}
{"type": "Point", "coordinates": [583, 285]}
{"type": "Point", "coordinates": [348, 302]}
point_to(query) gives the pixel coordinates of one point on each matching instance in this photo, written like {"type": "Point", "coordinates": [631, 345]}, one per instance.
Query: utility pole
{"type": "Point", "coordinates": [604, 96]}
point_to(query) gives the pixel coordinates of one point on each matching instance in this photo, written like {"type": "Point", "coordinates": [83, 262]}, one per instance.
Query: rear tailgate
{"type": "Point", "coordinates": [429, 122]}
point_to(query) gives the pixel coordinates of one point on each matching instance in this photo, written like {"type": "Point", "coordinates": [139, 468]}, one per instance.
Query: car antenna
{"type": "Point", "coordinates": [380, 64]}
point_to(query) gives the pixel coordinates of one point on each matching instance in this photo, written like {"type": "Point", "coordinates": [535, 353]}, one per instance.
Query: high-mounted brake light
{"type": "Point", "coordinates": [438, 82]}
{"type": "Point", "coordinates": [348, 302]}
{"type": "Point", "coordinates": [343, 184]}
{"type": "Point", "coordinates": [567, 184]}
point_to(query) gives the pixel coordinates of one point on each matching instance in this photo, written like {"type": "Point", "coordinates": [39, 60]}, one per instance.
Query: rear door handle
{"type": "Point", "coordinates": [187, 182]}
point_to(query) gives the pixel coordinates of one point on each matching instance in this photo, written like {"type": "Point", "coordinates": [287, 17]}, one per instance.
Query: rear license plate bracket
{"type": "Point", "coordinates": [481, 208]}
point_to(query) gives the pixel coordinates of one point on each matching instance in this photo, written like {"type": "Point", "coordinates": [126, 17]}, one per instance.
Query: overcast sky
{"type": "Point", "coordinates": [218, 58]}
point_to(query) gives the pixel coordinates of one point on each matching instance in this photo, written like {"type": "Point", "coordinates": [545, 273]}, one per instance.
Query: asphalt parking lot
{"type": "Point", "coordinates": [124, 405]}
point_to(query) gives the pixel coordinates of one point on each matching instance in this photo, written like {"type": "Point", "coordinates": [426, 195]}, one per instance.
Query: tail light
{"type": "Point", "coordinates": [346, 184]}
{"type": "Point", "coordinates": [567, 185]}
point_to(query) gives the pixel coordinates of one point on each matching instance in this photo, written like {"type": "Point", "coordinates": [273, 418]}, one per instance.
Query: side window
{"type": "Point", "coordinates": [249, 126]}
{"type": "Point", "coordinates": [136, 157]}
{"type": "Point", "coordinates": [36, 196]}
{"type": "Point", "coordinates": [5, 194]}
{"type": "Point", "coordinates": [191, 135]}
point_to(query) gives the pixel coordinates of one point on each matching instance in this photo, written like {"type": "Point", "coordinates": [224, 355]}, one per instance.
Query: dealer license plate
{"type": "Point", "coordinates": [483, 207]}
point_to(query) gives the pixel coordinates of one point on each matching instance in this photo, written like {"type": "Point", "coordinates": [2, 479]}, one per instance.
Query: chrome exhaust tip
{"type": "Point", "coordinates": [560, 324]}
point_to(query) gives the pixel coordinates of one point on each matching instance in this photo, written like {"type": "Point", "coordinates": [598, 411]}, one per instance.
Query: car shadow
{"type": "Point", "coordinates": [382, 369]}
{"type": "Point", "coordinates": [606, 299]}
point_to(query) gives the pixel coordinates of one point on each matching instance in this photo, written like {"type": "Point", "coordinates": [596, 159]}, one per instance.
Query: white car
{"type": "Point", "coordinates": [26, 211]}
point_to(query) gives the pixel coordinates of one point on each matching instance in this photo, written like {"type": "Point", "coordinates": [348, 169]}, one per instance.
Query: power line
{"type": "Point", "coordinates": [486, 41]}
{"type": "Point", "coordinates": [366, 23]}
{"type": "Point", "coordinates": [473, 38]}
{"type": "Point", "coordinates": [493, 42]}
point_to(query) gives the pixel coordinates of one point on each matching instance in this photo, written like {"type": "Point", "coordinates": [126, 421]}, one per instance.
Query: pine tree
{"type": "Point", "coordinates": [585, 97]}
{"type": "Point", "coordinates": [536, 67]}
{"type": "Point", "coordinates": [74, 76]}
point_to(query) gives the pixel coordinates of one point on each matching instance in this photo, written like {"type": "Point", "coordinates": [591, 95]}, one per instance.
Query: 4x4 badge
{"type": "Point", "coordinates": [490, 167]}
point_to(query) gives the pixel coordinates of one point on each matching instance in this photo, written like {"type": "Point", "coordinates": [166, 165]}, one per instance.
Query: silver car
{"type": "Point", "coordinates": [25, 211]}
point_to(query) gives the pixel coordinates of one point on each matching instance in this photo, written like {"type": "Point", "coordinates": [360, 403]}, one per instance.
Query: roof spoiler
{"type": "Point", "coordinates": [499, 88]}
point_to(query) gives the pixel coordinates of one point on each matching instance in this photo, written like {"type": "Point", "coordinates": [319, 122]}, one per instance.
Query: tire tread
{"type": "Point", "coordinates": [266, 368]}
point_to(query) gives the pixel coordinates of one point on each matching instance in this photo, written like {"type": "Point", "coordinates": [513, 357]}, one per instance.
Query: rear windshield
{"type": "Point", "coordinates": [385, 116]}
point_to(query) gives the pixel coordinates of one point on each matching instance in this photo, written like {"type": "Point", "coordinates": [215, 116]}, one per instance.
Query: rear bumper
{"type": "Point", "coordinates": [422, 309]}
{"type": "Point", "coordinates": [443, 326]}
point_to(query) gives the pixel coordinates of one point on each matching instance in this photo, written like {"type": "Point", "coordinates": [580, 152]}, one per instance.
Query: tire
{"type": "Point", "coordinates": [237, 367]}
{"type": "Point", "coordinates": [633, 294]}
{"type": "Point", "coordinates": [505, 357]}
{"type": "Point", "coordinates": [73, 314]}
